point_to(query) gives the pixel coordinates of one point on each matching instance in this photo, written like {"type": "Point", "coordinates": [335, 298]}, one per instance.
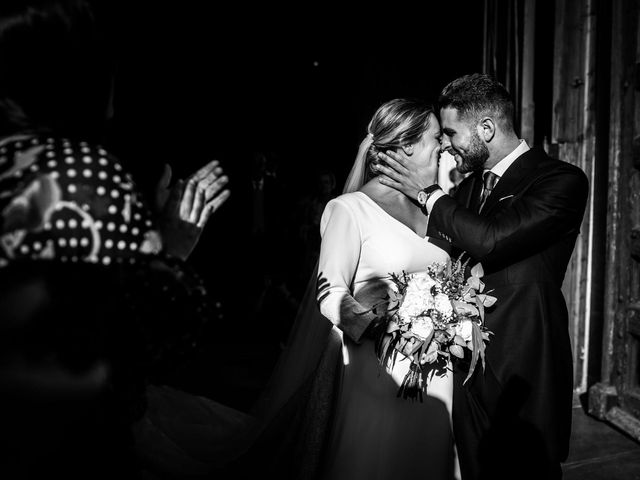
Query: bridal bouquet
{"type": "Point", "coordinates": [430, 316]}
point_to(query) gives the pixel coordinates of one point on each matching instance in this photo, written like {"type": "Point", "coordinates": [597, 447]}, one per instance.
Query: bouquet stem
{"type": "Point", "coordinates": [412, 385]}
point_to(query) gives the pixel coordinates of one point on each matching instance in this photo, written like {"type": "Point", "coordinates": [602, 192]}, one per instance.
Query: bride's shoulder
{"type": "Point", "coordinates": [350, 204]}
{"type": "Point", "coordinates": [348, 199]}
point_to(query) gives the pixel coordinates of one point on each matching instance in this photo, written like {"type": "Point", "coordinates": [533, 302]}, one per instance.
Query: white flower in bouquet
{"type": "Point", "coordinates": [417, 297]}
{"type": "Point", "coordinates": [422, 327]}
{"type": "Point", "coordinates": [443, 305]}
{"type": "Point", "coordinates": [464, 330]}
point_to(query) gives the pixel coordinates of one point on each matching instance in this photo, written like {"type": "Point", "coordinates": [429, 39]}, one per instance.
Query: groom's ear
{"type": "Point", "coordinates": [487, 129]}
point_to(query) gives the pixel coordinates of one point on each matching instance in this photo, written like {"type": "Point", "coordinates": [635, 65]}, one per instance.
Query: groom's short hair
{"type": "Point", "coordinates": [477, 95]}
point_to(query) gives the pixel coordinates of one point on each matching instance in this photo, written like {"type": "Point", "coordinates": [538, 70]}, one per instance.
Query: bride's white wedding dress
{"type": "Point", "coordinates": [377, 435]}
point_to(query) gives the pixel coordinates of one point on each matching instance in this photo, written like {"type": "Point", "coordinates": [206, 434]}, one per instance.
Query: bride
{"type": "Point", "coordinates": [367, 233]}
{"type": "Point", "coordinates": [329, 410]}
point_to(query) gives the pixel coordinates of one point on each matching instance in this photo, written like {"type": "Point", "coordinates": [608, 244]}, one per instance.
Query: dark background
{"type": "Point", "coordinates": [200, 82]}
{"type": "Point", "coordinates": [196, 82]}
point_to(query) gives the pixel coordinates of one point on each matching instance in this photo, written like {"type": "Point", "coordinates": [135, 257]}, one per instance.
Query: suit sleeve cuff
{"type": "Point", "coordinates": [433, 199]}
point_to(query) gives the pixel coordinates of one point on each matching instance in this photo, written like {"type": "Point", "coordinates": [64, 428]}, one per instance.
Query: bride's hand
{"type": "Point", "coordinates": [405, 176]}
{"type": "Point", "coordinates": [186, 207]}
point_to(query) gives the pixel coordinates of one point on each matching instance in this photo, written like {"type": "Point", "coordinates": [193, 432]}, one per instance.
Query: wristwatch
{"type": "Point", "coordinates": [425, 193]}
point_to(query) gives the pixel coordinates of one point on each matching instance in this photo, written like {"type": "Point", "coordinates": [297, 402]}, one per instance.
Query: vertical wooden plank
{"type": "Point", "coordinates": [485, 45]}
{"type": "Point", "coordinates": [620, 363]}
{"type": "Point", "coordinates": [567, 72]}
{"type": "Point", "coordinates": [587, 139]}
{"type": "Point", "coordinates": [629, 345]}
{"type": "Point", "coordinates": [528, 57]}
{"type": "Point", "coordinates": [573, 131]}
{"type": "Point", "coordinates": [617, 257]}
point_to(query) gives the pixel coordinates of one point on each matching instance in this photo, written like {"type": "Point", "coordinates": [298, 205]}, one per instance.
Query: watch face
{"type": "Point", "coordinates": [422, 197]}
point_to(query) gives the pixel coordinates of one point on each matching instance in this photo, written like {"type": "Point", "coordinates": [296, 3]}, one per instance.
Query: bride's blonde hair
{"type": "Point", "coordinates": [395, 124]}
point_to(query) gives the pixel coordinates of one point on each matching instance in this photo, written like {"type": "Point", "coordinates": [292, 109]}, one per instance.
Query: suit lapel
{"type": "Point", "coordinates": [518, 172]}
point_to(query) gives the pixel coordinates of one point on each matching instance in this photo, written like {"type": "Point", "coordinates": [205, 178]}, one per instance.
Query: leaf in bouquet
{"type": "Point", "coordinates": [456, 350]}
{"type": "Point", "coordinates": [480, 306]}
{"type": "Point", "coordinates": [417, 345]}
{"type": "Point", "coordinates": [459, 341]}
{"type": "Point", "coordinates": [412, 384]}
{"type": "Point", "coordinates": [470, 298]}
{"type": "Point", "coordinates": [392, 326]}
{"type": "Point", "coordinates": [384, 348]}
{"type": "Point", "coordinates": [468, 293]}
{"type": "Point", "coordinates": [477, 271]}
{"type": "Point", "coordinates": [464, 308]}
{"type": "Point", "coordinates": [487, 300]}
{"type": "Point", "coordinates": [433, 352]}
{"type": "Point", "coordinates": [459, 265]}
{"type": "Point", "coordinates": [422, 355]}
{"type": "Point", "coordinates": [475, 283]}
{"type": "Point", "coordinates": [383, 351]}
{"type": "Point", "coordinates": [466, 262]}
{"type": "Point", "coordinates": [433, 346]}
{"type": "Point", "coordinates": [372, 309]}
{"type": "Point", "coordinates": [395, 297]}
{"type": "Point", "coordinates": [477, 352]}
{"type": "Point", "coordinates": [441, 336]}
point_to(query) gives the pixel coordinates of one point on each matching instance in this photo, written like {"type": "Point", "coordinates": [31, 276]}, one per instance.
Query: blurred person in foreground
{"type": "Point", "coordinates": [97, 302]}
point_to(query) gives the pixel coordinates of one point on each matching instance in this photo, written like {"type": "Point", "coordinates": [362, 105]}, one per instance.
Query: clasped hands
{"type": "Point", "coordinates": [185, 207]}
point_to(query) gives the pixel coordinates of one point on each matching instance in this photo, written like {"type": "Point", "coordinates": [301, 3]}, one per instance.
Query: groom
{"type": "Point", "coordinates": [519, 214]}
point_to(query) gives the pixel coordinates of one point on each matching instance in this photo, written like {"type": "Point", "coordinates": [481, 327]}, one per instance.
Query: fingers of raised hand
{"type": "Point", "coordinates": [188, 197]}
{"type": "Point", "coordinates": [203, 194]}
{"type": "Point", "coordinates": [199, 203]}
{"type": "Point", "coordinates": [212, 206]}
{"type": "Point", "coordinates": [205, 171]}
{"type": "Point", "coordinates": [213, 188]}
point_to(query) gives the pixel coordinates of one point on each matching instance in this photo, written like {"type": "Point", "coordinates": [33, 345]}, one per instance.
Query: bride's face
{"type": "Point", "coordinates": [427, 150]}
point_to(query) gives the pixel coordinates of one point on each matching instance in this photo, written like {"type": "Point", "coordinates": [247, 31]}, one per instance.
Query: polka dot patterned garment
{"type": "Point", "coordinates": [72, 216]}
{"type": "Point", "coordinates": [69, 201]}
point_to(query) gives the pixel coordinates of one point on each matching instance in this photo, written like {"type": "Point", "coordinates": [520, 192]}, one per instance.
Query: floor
{"type": "Point", "coordinates": [598, 451]}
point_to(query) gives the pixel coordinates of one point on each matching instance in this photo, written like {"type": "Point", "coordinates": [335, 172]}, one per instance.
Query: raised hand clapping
{"type": "Point", "coordinates": [186, 206]}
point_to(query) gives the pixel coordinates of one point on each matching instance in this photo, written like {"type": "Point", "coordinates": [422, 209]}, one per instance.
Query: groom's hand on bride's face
{"type": "Point", "coordinates": [398, 172]}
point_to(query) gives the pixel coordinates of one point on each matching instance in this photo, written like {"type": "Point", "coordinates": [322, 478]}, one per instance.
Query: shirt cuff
{"type": "Point", "coordinates": [432, 200]}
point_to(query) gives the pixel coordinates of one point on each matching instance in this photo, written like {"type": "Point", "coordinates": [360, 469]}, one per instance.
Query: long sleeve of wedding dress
{"type": "Point", "coordinates": [339, 258]}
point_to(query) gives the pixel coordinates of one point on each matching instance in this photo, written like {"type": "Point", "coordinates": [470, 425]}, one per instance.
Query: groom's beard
{"type": "Point", "coordinates": [475, 157]}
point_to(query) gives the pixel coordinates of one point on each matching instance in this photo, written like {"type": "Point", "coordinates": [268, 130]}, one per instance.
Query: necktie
{"type": "Point", "coordinates": [489, 179]}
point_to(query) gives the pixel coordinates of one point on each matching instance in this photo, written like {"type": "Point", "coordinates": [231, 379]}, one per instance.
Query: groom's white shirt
{"type": "Point", "coordinates": [499, 169]}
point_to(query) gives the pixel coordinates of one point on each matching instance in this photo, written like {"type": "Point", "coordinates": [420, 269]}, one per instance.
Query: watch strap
{"type": "Point", "coordinates": [428, 191]}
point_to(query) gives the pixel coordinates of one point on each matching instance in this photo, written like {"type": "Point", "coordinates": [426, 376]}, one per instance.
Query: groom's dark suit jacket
{"type": "Point", "coordinates": [514, 419]}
